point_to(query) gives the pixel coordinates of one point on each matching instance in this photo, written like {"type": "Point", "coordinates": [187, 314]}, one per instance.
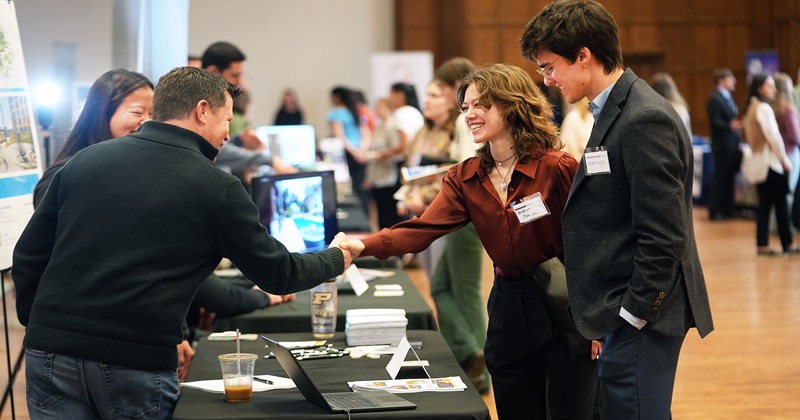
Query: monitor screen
{"type": "Point", "coordinates": [295, 144]}
{"type": "Point", "coordinates": [298, 209]}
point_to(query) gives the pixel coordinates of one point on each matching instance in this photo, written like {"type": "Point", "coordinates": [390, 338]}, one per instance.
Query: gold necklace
{"type": "Point", "coordinates": [503, 183]}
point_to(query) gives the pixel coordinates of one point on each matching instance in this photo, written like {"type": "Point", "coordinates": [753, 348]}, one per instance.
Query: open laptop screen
{"type": "Point", "coordinates": [298, 209]}
{"type": "Point", "coordinates": [295, 144]}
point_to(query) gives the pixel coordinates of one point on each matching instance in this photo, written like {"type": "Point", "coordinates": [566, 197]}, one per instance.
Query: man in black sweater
{"type": "Point", "coordinates": [111, 258]}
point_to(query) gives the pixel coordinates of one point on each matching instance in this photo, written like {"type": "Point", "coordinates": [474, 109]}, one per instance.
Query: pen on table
{"type": "Point", "coordinates": [263, 381]}
{"type": "Point", "coordinates": [320, 356]}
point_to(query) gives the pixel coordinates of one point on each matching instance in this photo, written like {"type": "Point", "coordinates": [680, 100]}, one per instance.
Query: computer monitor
{"type": "Point", "coordinates": [298, 209]}
{"type": "Point", "coordinates": [295, 144]}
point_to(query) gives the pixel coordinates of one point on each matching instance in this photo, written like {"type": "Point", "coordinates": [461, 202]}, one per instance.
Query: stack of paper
{"type": "Point", "coordinates": [453, 383]}
{"type": "Point", "coordinates": [375, 326]}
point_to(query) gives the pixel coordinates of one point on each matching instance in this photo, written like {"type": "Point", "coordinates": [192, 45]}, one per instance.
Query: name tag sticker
{"type": "Point", "coordinates": [530, 208]}
{"type": "Point", "coordinates": [596, 161]}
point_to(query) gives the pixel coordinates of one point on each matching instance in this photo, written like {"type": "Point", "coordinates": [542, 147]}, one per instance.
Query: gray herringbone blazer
{"type": "Point", "coordinates": [628, 235]}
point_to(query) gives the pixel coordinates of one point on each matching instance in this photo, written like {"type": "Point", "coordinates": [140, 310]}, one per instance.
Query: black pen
{"type": "Point", "coordinates": [320, 356]}
{"type": "Point", "coordinates": [263, 381]}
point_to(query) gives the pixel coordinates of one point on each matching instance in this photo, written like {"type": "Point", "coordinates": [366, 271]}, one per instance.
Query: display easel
{"type": "Point", "coordinates": [12, 372]}
{"type": "Point", "coordinates": [17, 180]}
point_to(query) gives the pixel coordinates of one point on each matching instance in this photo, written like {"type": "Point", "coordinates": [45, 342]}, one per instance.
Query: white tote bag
{"type": "Point", "coordinates": [755, 165]}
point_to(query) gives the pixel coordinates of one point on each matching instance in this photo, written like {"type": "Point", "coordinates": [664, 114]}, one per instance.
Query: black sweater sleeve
{"type": "Point", "coordinates": [228, 298]}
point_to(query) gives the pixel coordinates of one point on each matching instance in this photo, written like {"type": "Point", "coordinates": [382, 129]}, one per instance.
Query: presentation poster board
{"type": "Point", "coordinates": [20, 163]}
{"type": "Point", "coordinates": [768, 62]}
{"type": "Point", "coordinates": [412, 67]}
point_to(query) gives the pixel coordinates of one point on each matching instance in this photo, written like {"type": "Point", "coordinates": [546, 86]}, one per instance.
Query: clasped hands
{"type": "Point", "coordinates": [351, 248]}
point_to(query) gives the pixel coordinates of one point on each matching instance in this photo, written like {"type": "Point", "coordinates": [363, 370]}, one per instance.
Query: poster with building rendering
{"type": "Point", "coordinates": [20, 163]}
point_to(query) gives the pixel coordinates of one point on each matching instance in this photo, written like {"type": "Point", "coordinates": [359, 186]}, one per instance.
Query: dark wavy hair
{"type": "Point", "coordinates": [522, 104]}
{"type": "Point", "coordinates": [348, 99]}
{"type": "Point", "coordinates": [565, 26]}
{"type": "Point", "coordinates": [410, 93]}
{"type": "Point", "coordinates": [102, 101]}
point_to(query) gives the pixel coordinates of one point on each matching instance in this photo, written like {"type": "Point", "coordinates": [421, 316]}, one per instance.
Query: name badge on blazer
{"type": "Point", "coordinates": [530, 208]}
{"type": "Point", "coordinates": [596, 161]}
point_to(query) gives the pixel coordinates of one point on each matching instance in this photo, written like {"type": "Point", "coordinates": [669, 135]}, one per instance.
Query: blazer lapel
{"type": "Point", "coordinates": [609, 114]}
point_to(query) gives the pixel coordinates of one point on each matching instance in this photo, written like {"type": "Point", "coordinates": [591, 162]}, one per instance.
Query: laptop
{"type": "Point", "coordinates": [335, 402]}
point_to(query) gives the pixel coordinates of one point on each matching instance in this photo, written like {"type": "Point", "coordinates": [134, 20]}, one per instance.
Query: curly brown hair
{"type": "Point", "coordinates": [522, 104]}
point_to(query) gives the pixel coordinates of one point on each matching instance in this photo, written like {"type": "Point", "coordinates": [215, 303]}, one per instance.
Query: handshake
{"type": "Point", "coordinates": [351, 248]}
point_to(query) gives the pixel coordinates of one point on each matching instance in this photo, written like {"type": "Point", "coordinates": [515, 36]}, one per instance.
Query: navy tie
{"type": "Point", "coordinates": [732, 104]}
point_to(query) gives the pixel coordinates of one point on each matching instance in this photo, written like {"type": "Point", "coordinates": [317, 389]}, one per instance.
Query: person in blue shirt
{"type": "Point", "coordinates": [346, 124]}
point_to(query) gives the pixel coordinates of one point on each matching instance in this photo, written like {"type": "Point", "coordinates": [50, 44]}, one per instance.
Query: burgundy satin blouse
{"type": "Point", "coordinates": [468, 195]}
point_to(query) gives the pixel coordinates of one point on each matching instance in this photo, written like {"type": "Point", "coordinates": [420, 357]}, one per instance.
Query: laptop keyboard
{"type": "Point", "coordinates": [349, 400]}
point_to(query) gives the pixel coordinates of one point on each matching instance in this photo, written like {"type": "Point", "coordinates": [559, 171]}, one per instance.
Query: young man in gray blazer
{"type": "Point", "coordinates": [633, 272]}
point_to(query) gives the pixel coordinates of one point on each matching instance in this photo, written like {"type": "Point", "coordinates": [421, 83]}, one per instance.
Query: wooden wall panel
{"type": "Point", "coordinates": [417, 12]}
{"type": "Point", "coordinates": [623, 33]}
{"type": "Point", "coordinates": [643, 37]}
{"type": "Point", "coordinates": [674, 10]}
{"type": "Point", "coordinates": [617, 8]}
{"type": "Point", "coordinates": [708, 46]}
{"type": "Point", "coordinates": [740, 10]}
{"type": "Point", "coordinates": [482, 12]}
{"type": "Point", "coordinates": [736, 41]}
{"type": "Point", "coordinates": [677, 44]}
{"type": "Point", "coordinates": [420, 39]}
{"type": "Point", "coordinates": [641, 10]}
{"type": "Point", "coordinates": [512, 54]}
{"type": "Point", "coordinates": [687, 38]}
{"type": "Point", "coordinates": [706, 10]}
{"type": "Point", "coordinates": [483, 45]}
{"type": "Point", "coordinates": [520, 11]}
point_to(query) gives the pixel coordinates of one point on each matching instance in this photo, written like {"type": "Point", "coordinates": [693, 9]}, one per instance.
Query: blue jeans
{"type": "Point", "coordinates": [63, 387]}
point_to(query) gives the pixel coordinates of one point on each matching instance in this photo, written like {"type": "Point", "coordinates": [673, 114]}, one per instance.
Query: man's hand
{"type": "Point", "coordinates": [278, 299]}
{"type": "Point", "coordinates": [348, 256]}
{"type": "Point", "coordinates": [282, 167]}
{"type": "Point", "coordinates": [185, 355]}
{"type": "Point", "coordinates": [250, 140]}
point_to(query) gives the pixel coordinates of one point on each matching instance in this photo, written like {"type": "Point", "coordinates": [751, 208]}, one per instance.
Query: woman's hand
{"type": "Point", "coordinates": [597, 348]}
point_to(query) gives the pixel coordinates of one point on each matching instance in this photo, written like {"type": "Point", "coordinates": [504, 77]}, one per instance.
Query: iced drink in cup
{"type": "Point", "coordinates": [237, 375]}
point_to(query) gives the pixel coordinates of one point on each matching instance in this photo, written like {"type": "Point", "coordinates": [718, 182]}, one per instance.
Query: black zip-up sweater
{"type": "Point", "coordinates": [128, 230]}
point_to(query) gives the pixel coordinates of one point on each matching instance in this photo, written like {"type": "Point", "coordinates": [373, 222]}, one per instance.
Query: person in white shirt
{"type": "Point", "coordinates": [576, 129]}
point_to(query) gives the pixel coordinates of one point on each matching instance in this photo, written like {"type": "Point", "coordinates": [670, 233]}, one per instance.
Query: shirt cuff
{"type": "Point", "coordinates": [632, 319]}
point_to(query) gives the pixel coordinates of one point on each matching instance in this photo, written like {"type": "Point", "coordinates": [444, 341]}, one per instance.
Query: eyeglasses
{"type": "Point", "coordinates": [548, 72]}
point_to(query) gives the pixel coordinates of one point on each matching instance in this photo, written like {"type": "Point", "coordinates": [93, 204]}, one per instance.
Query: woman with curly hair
{"type": "Point", "coordinates": [514, 192]}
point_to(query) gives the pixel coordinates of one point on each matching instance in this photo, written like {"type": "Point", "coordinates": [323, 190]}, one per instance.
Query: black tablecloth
{"type": "Point", "coordinates": [296, 316]}
{"type": "Point", "coordinates": [351, 216]}
{"type": "Point", "coordinates": [330, 375]}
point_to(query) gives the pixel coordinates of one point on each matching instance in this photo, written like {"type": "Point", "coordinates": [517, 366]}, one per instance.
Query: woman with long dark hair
{"type": "Point", "coordinates": [117, 104]}
{"type": "Point", "coordinates": [761, 131]}
{"type": "Point", "coordinates": [345, 123]}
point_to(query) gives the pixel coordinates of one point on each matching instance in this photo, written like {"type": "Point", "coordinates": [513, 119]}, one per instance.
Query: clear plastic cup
{"type": "Point", "coordinates": [237, 375]}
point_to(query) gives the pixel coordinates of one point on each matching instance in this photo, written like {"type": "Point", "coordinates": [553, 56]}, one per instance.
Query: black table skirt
{"type": "Point", "coordinates": [330, 375]}
{"type": "Point", "coordinates": [296, 316]}
{"type": "Point", "coordinates": [353, 219]}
